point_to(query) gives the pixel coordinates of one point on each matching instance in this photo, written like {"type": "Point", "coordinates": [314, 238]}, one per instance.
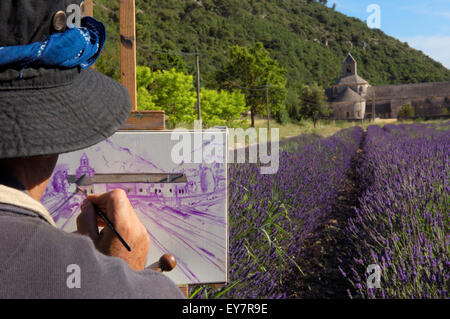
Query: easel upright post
{"type": "Point", "coordinates": [88, 8]}
{"type": "Point", "coordinates": [127, 16]}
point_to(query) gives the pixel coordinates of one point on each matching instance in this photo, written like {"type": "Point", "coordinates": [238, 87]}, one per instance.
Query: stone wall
{"type": "Point", "coordinates": [348, 110]}
{"type": "Point", "coordinates": [412, 91]}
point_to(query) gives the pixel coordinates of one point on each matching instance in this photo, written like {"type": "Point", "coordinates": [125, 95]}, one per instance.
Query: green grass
{"type": "Point", "coordinates": [323, 128]}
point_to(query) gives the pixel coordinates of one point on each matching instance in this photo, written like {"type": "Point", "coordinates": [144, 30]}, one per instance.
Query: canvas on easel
{"type": "Point", "coordinates": [183, 204]}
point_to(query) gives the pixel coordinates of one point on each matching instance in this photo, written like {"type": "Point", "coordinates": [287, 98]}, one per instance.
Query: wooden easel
{"type": "Point", "coordinates": [138, 120]}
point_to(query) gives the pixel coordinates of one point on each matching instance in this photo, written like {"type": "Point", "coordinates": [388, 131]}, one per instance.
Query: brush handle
{"type": "Point", "coordinates": [167, 262]}
{"type": "Point", "coordinates": [111, 226]}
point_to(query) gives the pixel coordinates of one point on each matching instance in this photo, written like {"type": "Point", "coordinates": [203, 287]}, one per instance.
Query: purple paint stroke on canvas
{"type": "Point", "coordinates": [187, 213]}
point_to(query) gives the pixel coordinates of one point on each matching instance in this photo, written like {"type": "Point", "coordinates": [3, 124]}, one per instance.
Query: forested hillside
{"type": "Point", "coordinates": [307, 38]}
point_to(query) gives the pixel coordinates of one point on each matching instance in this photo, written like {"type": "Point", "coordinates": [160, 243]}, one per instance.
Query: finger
{"type": "Point", "coordinates": [101, 200]}
{"type": "Point", "coordinates": [87, 221]}
{"type": "Point", "coordinates": [114, 204]}
{"type": "Point", "coordinates": [100, 222]}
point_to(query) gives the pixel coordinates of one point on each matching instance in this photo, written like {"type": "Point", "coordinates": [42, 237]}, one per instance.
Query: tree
{"type": "Point", "coordinates": [293, 104]}
{"type": "Point", "coordinates": [313, 103]}
{"type": "Point", "coordinates": [253, 71]}
{"type": "Point", "coordinates": [143, 79]}
{"type": "Point", "coordinates": [222, 107]}
{"type": "Point", "coordinates": [406, 111]}
{"type": "Point", "coordinates": [170, 91]}
{"type": "Point", "coordinates": [174, 93]}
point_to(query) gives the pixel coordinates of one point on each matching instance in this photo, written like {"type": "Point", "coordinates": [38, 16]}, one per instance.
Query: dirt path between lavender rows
{"type": "Point", "coordinates": [322, 278]}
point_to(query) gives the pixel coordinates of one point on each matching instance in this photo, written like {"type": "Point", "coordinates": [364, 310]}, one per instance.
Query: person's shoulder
{"type": "Point", "coordinates": [67, 265]}
{"type": "Point", "coordinates": [18, 222]}
{"type": "Point", "coordinates": [107, 276]}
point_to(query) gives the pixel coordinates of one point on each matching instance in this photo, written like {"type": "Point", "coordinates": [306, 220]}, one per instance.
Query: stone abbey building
{"type": "Point", "coordinates": [353, 98]}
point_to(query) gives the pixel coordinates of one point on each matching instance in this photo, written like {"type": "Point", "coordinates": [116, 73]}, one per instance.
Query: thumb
{"type": "Point", "coordinates": [87, 221]}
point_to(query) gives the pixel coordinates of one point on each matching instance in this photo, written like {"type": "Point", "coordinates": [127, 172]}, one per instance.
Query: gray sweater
{"type": "Point", "coordinates": [38, 260]}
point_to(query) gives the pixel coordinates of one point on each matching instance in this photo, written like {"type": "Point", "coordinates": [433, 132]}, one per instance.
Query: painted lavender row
{"type": "Point", "coordinates": [272, 215]}
{"type": "Point", "coordinates": [402, 223]}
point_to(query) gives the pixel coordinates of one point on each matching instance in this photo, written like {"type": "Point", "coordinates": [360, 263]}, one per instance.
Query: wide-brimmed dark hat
{"type": "Point", "coordinates": [51, 109]}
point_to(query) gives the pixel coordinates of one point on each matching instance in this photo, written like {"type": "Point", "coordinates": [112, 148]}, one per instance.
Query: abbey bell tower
{"type": "Point", "coordinates": [349, 66]}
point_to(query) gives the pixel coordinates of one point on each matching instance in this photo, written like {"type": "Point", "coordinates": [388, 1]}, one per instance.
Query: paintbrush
{"type": "Point", "coordinates": [106, 220]}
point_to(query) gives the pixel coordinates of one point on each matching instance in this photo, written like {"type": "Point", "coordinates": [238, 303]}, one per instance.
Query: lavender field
{"type": "Point", "coordinates": [394, 214]}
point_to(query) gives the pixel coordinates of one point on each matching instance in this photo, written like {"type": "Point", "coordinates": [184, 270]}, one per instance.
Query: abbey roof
{"type": "Point", "coordinates": [351, 79]}
{"type": "Point", "coordinates": [348, 95]}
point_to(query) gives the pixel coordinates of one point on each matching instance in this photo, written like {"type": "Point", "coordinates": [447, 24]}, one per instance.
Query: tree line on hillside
{"type": "Point", "coordinates": [308, 39]}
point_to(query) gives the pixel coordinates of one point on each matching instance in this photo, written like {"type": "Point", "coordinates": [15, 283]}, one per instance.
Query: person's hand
{"type": "Point", "coordinates": [116, 206]}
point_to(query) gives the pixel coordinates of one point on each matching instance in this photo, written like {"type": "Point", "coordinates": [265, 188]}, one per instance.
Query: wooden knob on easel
{"type": "Point", "coordinates": [167, 262]}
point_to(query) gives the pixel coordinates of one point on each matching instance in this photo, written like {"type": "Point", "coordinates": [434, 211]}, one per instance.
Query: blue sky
{"type": "Point", "coordinates": [424, 24]}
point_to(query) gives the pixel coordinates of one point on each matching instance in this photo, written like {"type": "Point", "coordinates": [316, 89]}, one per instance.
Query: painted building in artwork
{"type": "Point", "coordinates": [84, 168]}
{"type": "Point", "coordinates": [202, 182]}
{"type": "Point", "coordinates": [353, 98]}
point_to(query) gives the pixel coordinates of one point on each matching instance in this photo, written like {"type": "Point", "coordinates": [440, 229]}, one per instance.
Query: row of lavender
{"type": "Point", "coordinates": [272, 215]}
{"type": "Point", "coordinates": [402, 223]}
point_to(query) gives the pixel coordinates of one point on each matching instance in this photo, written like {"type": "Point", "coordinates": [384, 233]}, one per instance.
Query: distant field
{"type": "Point", "coordinates": [328, 127]}
{"type": "Point", "coordinates": [324, 128]}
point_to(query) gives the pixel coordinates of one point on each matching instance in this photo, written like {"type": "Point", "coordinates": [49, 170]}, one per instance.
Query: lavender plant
{"type": "Point", "coordinates": [402, 222]}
